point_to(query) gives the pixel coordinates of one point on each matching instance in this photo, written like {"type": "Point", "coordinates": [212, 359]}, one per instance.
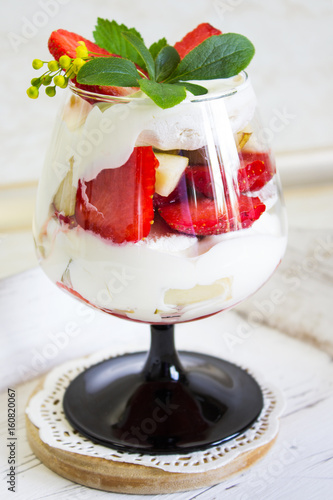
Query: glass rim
{"type": "Point", "coordinates": [131, 98]}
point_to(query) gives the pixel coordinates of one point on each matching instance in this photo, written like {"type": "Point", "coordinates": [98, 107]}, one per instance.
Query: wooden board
{"type": "Point", "coordinates": [122, 477]}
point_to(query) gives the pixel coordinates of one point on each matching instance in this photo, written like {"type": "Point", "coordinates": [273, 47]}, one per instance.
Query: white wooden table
{"type": "Point", "coordinates": [291, 344]}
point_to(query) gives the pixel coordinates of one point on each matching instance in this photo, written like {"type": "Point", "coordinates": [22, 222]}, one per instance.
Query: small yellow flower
{"type": "Point", "coordinates": [50, 91]}
{"type": "Point", "coordinates": [37, 63]}
{"type": "Point", "coordinates": [33, 92]}
{"type": "Point", "coordinates": [60, 81]}
{"type": "Point", "coordinates": [81, 50]}
{"type": "Point", "coordinates": [65, 61]}
{"type": "Point", "coordinates": [53, 65]}
{"type": "Point", "coordinates": [77, 64]}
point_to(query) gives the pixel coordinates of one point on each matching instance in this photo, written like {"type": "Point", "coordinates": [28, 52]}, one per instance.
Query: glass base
{"type": "Point", "coordinates": [128, 403]}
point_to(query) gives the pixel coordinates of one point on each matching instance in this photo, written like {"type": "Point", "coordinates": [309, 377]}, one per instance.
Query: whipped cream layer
{"type": "Point", "coordinates": [141, 281]}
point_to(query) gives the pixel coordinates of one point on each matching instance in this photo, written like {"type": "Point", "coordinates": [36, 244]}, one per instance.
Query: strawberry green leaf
{"type": "Point", "coordinates": [193, 88]}
{"type": "Point", "coordinates": [163, 94]}
{"type": "Point", "coordinates": [220, 56]}
{"type": "Point", "coordinates": [166, 62]}
{"type": "Point", "coordinates": [157, 46]}
{"type": "Point", "coordinates": [109, 71]}
{"type": "Point", "coordinates": [107, 35]}
{"type": "Point", "coordinates": [142, 51]}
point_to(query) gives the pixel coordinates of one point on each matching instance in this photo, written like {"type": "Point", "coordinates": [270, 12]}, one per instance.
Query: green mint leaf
{"type": "Point", "coordinates": [166, 62]}
{"type": "Point", "coordinates": [109, 71]}
{"type": "Point", "coordinates": [143, 51]}
{"type": "Point", "coordinates": [193, 88]}
{"type": "Point", "coordinates": [107, 35]}
{"type": "Point", "coordinates": [157, 46]}
{"type": "Point", "coordinates": [163, 94]}
{"type": "Point", "coordinates": [220, 56]}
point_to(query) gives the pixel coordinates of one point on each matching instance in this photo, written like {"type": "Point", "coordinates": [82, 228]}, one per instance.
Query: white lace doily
{"type": "Point", "coordinates": [45, 412]}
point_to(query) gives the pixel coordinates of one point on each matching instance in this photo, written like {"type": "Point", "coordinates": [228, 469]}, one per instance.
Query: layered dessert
{"type": "Point", "coordinates": [160, 215]}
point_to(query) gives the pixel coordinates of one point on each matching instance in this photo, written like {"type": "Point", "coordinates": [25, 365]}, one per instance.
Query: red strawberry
{"type": "Point", "coordinates": [194, 38]}
{"type": "Point", "coordinates": [250, 209]}
{"type": "Point", "coordinates": [256, 170]}
{"type": "Point", "coordinates": [202, 217]}
{"type": "Point", "coordinates": [118, 203]}
{"type": "Point", "coordinates": [63, 42]}
{"type": "Point", "coordinates": [197, 217]}
{"type": "Point", "coordinates": [198, 177]}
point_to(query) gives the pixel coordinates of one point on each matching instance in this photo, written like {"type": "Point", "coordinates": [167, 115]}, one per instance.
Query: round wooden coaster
{"type": "Point", "coordinates": [121, 477]}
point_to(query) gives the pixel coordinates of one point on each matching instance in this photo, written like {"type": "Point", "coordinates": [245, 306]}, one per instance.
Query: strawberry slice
{"type": "Point", "coordinates": [198, 177]}
{"type": "Point", "coordinates": [197, 217]}
{"type": "Point", "coordinates": [194, 38]}
{"type": "Point", "coordinates": [63, 42]}
{"type": "Point", "coordinates": [118, 203]}
{"type": "Point", "coordinates": [256, 170]}
{"type": "Point", "coordinates": [202, 217]}
{"type": "Point", "coordinates": [250, 209]}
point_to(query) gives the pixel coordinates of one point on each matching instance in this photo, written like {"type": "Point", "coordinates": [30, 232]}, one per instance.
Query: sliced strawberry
{"type": "Point", "coordinates": [118, 203]}
{"type": "Point", "coordinates": [250, 209]}
{"type": "Point", "coordinates": [62, 42]}
{"type": "Point", "coordinates": [198, 178]}
{"type": "Point", "coordinates": [194, 38]}
{"type": "Point", "coordinates": [256, 170]}
{"type": "Point", "coordinates": [202, 216]}
{"type": "Point", "coordinates": [197, 217]}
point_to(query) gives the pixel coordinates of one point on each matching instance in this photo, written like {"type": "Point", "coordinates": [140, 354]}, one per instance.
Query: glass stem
{"type": "Point", "coordinates": [163, 362]}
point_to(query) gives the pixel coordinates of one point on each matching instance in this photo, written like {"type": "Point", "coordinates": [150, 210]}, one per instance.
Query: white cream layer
{"type": "Point", "coordinates": [135, 277]}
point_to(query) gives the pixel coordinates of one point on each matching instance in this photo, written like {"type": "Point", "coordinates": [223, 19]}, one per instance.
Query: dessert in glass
{"type": "Point", "coordinates": [161, 216]}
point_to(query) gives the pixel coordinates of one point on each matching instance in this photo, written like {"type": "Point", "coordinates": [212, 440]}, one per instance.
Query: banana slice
{"type": "Point", "coordinates": [169, 172]}
{"type": "Point", "coordinates": [242, 138]}
{"type": "Point", "coordinates": [65, 198]}
{"type": "Point", "coordinates": [220, 288]}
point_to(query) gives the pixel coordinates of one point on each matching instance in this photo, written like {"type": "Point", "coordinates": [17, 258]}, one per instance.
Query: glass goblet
{"type": "Point", "coordinates": [161, 216]}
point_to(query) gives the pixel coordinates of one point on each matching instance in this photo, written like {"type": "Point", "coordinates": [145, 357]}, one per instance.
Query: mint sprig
{"type": "Point", "coordinates": [219, 56]}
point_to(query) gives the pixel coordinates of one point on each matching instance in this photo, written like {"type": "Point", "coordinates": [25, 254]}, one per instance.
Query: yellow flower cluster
{"type": "Point", "coordinates": [70, 66]}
